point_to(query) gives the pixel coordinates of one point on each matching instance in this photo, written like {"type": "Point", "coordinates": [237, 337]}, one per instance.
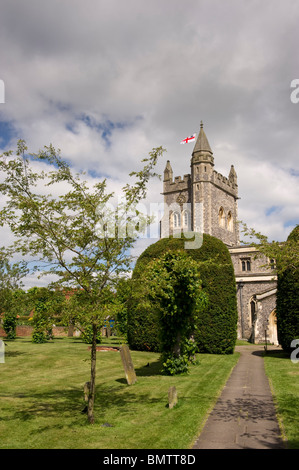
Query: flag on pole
{"type": "Point", "coordinates": [188, 139]}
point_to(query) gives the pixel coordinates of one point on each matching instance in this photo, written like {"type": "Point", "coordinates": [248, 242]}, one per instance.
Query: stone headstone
{"type": "Point", "coordinates": [172, 397]}
{"type": "Point", "coordinates": [86, 391]}
{"type": "Point", "coordinates": [2, 351]}
{"type": "Point", "coordinates": [128, 364]}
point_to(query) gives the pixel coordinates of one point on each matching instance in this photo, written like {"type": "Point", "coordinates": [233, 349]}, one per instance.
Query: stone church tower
{"type": "Point", "coordinates": [205, 201]}
{"type": "Point", "coordinates": [215, 196]}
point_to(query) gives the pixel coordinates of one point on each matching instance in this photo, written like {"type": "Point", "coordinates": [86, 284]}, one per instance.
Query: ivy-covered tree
{"type": "Point", "coordinates": [77, 235]}
{"type": "Point", "coordinates": [174, 286]}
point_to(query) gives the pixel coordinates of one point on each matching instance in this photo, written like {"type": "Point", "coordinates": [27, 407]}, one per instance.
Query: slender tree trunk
{"type": "Point", "coordinates": [92, 375]}
{"type": "Point", "coordinates": [177, 346]}
{"type": "Point", "coordinates": [70, 332]}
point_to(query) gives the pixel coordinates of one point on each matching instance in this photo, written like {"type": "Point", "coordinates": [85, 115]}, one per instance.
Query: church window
{"type": "Point", "coordinates": [186, 218]}
{"type": "Point", "coordinates": [197, 187]}
{"type": "Point", "coordinates": [272, 263]}
{"type": "Point", "coordinates": [221, 217]}
{"type": "Point", "coordinates": [176, 220]}
{"type": "Point", "coordinates": [230, 221]}
{"type": "Point", "coordinates": [205, 169]}
{"type": "Point", "coordinates": [246, 264]}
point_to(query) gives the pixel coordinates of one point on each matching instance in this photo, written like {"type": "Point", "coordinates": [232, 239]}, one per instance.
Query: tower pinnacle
{"type": "Point", "coordinates": [202, 143]}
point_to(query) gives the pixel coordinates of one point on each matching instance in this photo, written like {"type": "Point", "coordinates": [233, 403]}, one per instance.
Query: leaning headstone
{"type": "Point", "coordinates": [172, 397]}
{"type": "Point", "coordinates": [128, 364]}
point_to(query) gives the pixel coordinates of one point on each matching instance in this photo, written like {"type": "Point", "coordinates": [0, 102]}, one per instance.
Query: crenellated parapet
{"type": "Point", "coordinates": [178, 184]}
{"type": "Point", "coordinates": [227, 184]}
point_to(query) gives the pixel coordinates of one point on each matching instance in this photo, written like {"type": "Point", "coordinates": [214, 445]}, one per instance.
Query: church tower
{"type": "Point", "coordinates": [204, 200]}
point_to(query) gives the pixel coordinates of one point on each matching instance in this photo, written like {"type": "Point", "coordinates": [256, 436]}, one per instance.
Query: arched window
{"type": "Point", "coordinates": [176, 220]}
{"type": "Point", "coordinates": [246, 264]}
{"type": "Point", "coordinates": [252, 311]}
{"type": "Point", "coordinates": [186, 218]}
{"type": "Point", "coordinates": [221, 217]}
{"type": "Point", "coordinates": [230, 225]}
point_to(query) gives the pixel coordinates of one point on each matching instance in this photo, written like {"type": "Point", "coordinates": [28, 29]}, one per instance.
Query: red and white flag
{"type": "Point", "coordinates": [188, 139]}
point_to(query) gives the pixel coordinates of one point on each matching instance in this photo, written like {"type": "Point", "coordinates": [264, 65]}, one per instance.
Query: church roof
{"type": "Point", "coordinates": [202, 143]}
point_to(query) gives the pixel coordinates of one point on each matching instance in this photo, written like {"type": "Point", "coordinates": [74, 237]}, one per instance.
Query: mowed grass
{"type": "Point", "coordinates": [283, 375]}
{"type": "Point", "coordinates": [41, 398]}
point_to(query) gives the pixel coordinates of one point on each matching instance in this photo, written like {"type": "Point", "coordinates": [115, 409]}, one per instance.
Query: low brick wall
{"type": "Point", "coordinates": [24, 330]}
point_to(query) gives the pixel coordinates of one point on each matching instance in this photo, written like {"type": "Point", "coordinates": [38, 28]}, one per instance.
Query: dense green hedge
{"type": "Point", "coordinates": [287, 304]}
{"type": "Point", "coordinates": [217, 323]}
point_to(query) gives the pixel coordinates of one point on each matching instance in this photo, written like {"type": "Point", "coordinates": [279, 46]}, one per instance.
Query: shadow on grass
{"type": "Point", "coordinates": [276, 354]}
{"type": "Point", "coordinates": [63, 405]}
{"type": "Point", "coordinates": [14, 353]}
{"type": "Point", "coordinates": [151, 368]}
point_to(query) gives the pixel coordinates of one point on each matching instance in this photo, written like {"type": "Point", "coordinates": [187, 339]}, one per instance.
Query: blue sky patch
{"type": "Point", "coordinates": [272, 209]}
{"type": "Point", "coordinates": [8, 132]}
{"type": "Point", "coordinates": [105, 127]}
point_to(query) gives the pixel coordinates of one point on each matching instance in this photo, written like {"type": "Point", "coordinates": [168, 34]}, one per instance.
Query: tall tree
{"type": "Point", "coordinates": [79, 235]}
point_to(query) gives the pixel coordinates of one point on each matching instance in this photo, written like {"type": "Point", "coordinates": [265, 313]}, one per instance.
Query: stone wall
{"type": "Point", "coordinates": [24, 330]}
{"type": "Point", "coordinates": [253, 326]}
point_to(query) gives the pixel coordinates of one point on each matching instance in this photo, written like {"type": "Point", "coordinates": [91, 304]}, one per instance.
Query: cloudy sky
{"type": "Point", "coordinates": [107, 80]}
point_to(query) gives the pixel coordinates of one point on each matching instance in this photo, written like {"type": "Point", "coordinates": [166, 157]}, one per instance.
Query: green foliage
{"type": "Point", "coordinates": [14, 303]}
{"type": "Point", "coordinates": [123, 295]}
{"type": "Point", "coordinates": [87, 335]}
{"type": "Point", "coordinates": [175, 365]}
{"type": "Point", "coordinates": [285, 254]}
{"type": "Point", "coordinates": [11, 296]}
{"type": "Point", "coordinates": [174, 285]}
{"type": "Point", "coordinates": [287, 303]}
{"type": "Point", "coordinates": [74, 235]}
{"type": "Point", "coordinates": [47, 304]}
{"type": "Point", "coordinates": [216, 325]}
{"type": "Point", "coordinates": [9, 324]}
{"type": "Point", "coordinates": [10, 273]}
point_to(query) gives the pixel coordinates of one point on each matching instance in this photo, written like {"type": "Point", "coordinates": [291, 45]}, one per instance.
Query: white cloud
{"type": "Point", "coordinates": [106, 81]}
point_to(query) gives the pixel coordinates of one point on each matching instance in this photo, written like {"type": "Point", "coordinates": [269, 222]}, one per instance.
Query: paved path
{"type": "Point", "coordinates": [244, 416]}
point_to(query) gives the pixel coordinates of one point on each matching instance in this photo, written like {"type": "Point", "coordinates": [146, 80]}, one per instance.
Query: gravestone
{"type": "Point", "coordinates": [2, 352]}
{"type": "Point", "coordinates": [128, 364]}
{"type": "Point", "coordinates": [86, 391]}
{"type": "Point", "coordinates": [172, 397]}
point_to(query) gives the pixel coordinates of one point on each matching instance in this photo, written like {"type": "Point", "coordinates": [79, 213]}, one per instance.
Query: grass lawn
{"type": "Point", "coordinates": [284, 379]}
{"type": "Point", "coordinates": [41, 398]}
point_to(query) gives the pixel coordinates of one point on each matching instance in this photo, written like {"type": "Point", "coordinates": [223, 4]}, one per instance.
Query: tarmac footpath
{"type": "Point", "coordinates": [244, 416]}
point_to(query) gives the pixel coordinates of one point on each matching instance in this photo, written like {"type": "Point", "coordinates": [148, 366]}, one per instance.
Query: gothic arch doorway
{"type": "Point", "coordinates": [272, 328]}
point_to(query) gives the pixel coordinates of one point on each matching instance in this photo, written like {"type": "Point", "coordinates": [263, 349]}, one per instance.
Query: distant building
{"type": "Point", "coordinates": [206, 201]}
